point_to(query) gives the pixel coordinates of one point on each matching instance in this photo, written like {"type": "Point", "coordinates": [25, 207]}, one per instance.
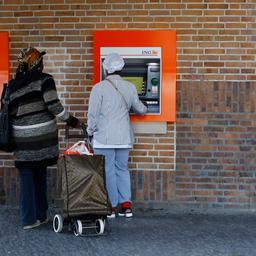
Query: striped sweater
{"type": "Point", "coordinates": [34, 104]}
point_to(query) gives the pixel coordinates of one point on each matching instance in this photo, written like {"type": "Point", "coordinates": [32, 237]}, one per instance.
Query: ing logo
{"type": "Point", "coordinates": [149, 52]}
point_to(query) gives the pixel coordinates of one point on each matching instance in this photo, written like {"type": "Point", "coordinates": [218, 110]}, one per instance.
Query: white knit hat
{"type": "Point", "coordinates": [113, 62]}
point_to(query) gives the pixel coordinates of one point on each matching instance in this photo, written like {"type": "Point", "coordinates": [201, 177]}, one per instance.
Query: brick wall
{"type": "Point", "coordinates": [216, 145]}
{"type": "Point", "coordinates": [215, 42]}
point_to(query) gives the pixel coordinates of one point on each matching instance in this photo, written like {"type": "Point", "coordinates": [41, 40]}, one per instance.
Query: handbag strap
{"type": "Point", "coordinates": [5, 97]}
{"type": "Point", "coordinates": [7, 94]}
{"type": "Point", "coordinates": [122, 96]}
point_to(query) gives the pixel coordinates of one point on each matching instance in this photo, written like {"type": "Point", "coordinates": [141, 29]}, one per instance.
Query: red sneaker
{"type": "Point", "coordinates": [126, 212]}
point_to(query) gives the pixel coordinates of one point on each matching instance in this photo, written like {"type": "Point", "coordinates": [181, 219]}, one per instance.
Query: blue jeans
{"type": "Point", "coordinates": [117, 175]}
{"type": "Point", "coordinates": [33, 195]}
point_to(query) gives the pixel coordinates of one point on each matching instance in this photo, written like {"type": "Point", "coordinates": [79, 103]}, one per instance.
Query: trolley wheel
{"type": "Point", "coordinates": [78, 228]}
{"type": "Point", "coordinates": [100, 226]}
{"type": "Point", "coordinates": [57, 223]}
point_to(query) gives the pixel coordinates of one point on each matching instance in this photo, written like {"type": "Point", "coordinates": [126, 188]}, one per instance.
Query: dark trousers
{"type": "Point", "coordinates": [33, 195]}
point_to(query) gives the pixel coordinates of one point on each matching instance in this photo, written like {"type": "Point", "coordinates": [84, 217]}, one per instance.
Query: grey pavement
{"type": "Point", "coordinates": [146, 234]}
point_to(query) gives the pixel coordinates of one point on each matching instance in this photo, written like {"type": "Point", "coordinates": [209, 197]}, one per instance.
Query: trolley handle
{"type": "Point", "coordinates": [75, 136]}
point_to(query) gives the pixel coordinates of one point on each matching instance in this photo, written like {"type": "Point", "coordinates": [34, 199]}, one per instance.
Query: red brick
{"type": "Point", "coordinates": [15, 2]}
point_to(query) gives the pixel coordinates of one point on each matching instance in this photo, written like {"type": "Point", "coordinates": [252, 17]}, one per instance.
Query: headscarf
{"type": "Point", "coordinates": [113, 62]}
{"type": "Point", "coordinates": [29, 59]}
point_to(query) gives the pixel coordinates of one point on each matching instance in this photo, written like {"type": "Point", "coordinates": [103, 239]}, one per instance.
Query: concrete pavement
{"type": "Point", "coordinates": [147, 234]}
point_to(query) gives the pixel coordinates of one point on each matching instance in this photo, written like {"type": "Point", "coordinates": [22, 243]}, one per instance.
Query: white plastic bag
{"type": "Point", "coordinates": [79, 148]}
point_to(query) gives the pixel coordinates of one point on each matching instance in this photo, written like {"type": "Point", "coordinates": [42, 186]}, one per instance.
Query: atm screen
{"type": "Point", "coordinates": [137, 81]}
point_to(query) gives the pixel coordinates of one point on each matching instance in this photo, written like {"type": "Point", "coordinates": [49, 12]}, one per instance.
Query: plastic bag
{"type": "Point", "coordinates": [79, 148]}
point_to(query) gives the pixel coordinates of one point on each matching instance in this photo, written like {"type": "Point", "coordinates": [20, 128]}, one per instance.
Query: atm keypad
{"type": "Point", "coordinates": [152, 102]}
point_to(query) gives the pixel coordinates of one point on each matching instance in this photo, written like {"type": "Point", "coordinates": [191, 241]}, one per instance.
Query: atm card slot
{"type": "Point", "coordinates": [149, 99]}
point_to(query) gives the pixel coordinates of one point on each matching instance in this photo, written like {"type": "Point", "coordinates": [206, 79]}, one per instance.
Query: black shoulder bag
{"type": "Point", "coordinates": [5, 122]}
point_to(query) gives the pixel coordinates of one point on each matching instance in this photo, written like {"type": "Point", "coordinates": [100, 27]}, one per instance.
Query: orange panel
{"type": "Point", "coordinates": [166, 39]}
{"type": "Point", "coordinates": [4, 59]}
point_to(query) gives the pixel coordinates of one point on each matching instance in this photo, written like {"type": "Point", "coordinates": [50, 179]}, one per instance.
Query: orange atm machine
{"type": "Point", "coordinates": [4, 59]}
{"type": "Point", "coordinates": [150, 64]}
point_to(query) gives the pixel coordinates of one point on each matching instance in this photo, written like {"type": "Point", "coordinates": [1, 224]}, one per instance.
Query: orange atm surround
{"type": "Point", "coordinates": [4, 59]}
{"type": "Point", "coordinates": [166, 40]}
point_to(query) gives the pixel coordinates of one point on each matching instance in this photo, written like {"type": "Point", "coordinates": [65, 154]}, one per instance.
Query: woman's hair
{"type": "Point", "coordinates": [21, 70]}
{"type": "Point", "coordinates": [30, 59]}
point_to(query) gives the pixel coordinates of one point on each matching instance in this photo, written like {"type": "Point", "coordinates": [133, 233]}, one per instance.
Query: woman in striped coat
{"type": "Point", "coordinates": [34, 104]}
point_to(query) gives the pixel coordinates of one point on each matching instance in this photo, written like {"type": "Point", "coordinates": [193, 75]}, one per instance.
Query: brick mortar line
{"type": "Point", "coordinates": [189, 164]}
{"type": "Point", "coordinates": [136, 15]}
{"type": "Point", "coordinates": [244, 153]}
{"type": "Point", "coordinates": [152, 170]}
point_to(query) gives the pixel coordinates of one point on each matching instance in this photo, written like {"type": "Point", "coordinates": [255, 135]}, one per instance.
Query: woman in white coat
{"type": "Point", "coordinates": [109, 126]}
